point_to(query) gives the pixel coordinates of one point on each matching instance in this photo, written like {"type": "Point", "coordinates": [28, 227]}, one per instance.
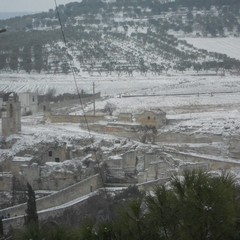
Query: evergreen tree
{"type": "Point", "coordinates": [198, 206]}
{"type": "Point", "coordinates": [3, 61]}
{"type": "Point", "coordinates": [1, 227]}
{"type": "Point", "coordinates": [38, 57]}
{"type": "Point", "coordinates": [13, 63]}
{"type": "Point", "coordinates": [65, 67]}
{"type": "Point", "coordinates": [26, 59]}
{"type": "Point", "coordinates": [31, 212]}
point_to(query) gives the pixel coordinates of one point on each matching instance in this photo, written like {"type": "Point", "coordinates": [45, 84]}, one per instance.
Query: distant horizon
{"type": "Point", "coordinates": [7, 15]}
{"type": "Point", "coordinates": [17, 11]}
{"type": "Point", "coordinates": [36, 6]}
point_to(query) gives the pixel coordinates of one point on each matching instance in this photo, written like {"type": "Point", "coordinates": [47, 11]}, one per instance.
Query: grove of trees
{"type": "Point", "coordinates": [96, 43]}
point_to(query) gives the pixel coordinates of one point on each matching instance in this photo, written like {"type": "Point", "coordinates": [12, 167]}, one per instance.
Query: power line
{"type": "Point", "coordinates": [81, 103]}
{"type": "Point", "coordinates": [71, 63]}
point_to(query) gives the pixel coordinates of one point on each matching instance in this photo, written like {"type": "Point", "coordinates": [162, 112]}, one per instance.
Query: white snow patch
{"type": "Point", "coordinates": [228, 45]}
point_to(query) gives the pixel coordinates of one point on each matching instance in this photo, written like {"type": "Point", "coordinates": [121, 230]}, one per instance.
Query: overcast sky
{"type": "Point", "coordinates": [30, 5]}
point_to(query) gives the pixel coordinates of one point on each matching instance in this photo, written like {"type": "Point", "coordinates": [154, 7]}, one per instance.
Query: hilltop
{"type": "Point", "coordinates": [120, 36]}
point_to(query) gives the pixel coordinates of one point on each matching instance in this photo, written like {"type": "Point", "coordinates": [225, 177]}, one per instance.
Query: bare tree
{"type": "Point", "coordinates": [109, 108]}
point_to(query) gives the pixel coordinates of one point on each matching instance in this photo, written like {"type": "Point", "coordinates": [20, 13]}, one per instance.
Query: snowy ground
{"type": "Point", "coordinates": [203, 103]}
{"type": "Point", "coordinates": [113, 85]}
{"type": "Point", "coordinates": [228, 45]}
{"type": "Point", "coordinates": [34, 131]}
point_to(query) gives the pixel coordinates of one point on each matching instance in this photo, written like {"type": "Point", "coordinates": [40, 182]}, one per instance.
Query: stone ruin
{"type": "Point", "coordinates": [11, 114]}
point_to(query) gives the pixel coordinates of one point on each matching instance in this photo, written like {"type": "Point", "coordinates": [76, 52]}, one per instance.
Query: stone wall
{"type": "Point", "coordinates": [114, 162]}
{"type": "Point", "coordinates": [213, 149]}
{"type": "Point", "coordinates": [158, 170]}
{"type": "Point", "coordinates": [17, 162]}
{"type": "Point", "coordinates": [68, 194]}
{"type": "Point", "coordinates": [215, 163]}
{"type": "Point", "coordinates": [125, 117]}
{"type": "Point", "coordinates": [5, 165]}
{"type": "Point", "coordinates": [129, 161]}
{"type": "Point", "coordinates": [142, 177]}
{"type": "Point", "coordinates": [78, 205]}
{"type": "Point", "coordinates": [11, 116]}
{"type": "Point", "coordinates": [66, 103]}
{"type": "Point", "coordinates": [17, 222]}
{"type": "Point", "coordinates": [84, 98]}
{"type": "Point", "coordinates": [193, 166]}
{"type": "Point", "coordinates": [30, 174]}
{"type": "Point", "coordinates": [171, 137]}
{"type": "Point", "coordinates": [74, 118]}
{"type": "Point", "coordinates": [125, 161]}
{"type": "Point", "coordinates": [150, 157]}
{"type": "Point", "coordinates": [5, 181]}
{"type": "Point", "coordinates": [234, 147]}
{"type": "Point", "coordinates": [149, 186]}
{"type": "Point", "coordinates": [157, 165]}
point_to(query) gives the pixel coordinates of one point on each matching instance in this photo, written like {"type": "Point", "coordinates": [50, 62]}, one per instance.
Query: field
{"type": "Point", "coordinates": [206, 102]}
{"type": "Point", "coordinates": [198, 100]}
{"type": "Point", "coordinates": [229, 45]}
{"type": "Point", "coordinates": [112, 85]}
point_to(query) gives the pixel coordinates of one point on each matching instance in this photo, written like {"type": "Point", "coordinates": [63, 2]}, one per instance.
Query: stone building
{"type": "Point", "coordinates": [29, 103]}
{"type": "Point", "coordinates": [17, 162]}
{"type": "Point", "coordinates": [189, 166]}
{"type": "Point", "coordinates": [156, 118]}
{"type": "Point", "coordinates": [122, 166]}
{"type": "Point", "coordinates": [156, 165]}
{"type": "Point", "coordinates": [234, 147]}
{"type": "Point", "coordinates": [11, 114]}
{"type": "Point", "coordinates": [56, 152]}
{"type": "Point", "coordinates": [5, 181]}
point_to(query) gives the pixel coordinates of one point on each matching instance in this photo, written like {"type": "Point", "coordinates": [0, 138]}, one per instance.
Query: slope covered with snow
{"type": "Point", "coordinates": [228, 45]}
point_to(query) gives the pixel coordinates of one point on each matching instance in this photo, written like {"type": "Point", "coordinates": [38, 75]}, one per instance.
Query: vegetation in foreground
{"type": "Point", "coordinates": [195, 206]}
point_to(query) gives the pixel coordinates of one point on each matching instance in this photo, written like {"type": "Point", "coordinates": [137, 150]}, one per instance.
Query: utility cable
{"type": "Point", "coordinates": [81, 103]}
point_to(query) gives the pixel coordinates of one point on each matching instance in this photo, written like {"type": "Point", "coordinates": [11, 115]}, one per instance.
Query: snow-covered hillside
{"type": "Point", "coordinates": [228, 45]}
{"type": "Point", "coordinates": [124, 37]}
